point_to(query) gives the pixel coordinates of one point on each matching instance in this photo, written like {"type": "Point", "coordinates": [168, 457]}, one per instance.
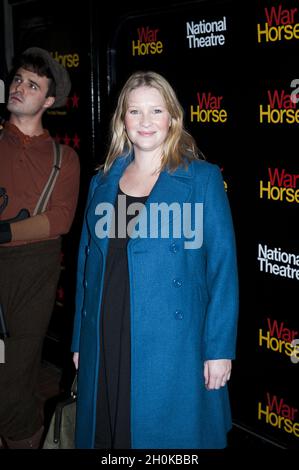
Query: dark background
{"type": "Point", "coordinates": [241, 71]}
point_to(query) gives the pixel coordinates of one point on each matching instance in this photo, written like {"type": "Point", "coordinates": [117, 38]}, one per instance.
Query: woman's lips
{"type": "Point", "coordinates": [145, 134]}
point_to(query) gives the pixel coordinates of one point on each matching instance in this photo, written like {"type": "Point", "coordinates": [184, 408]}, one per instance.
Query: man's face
{"type": "Point", "coordinates": [27, 94]}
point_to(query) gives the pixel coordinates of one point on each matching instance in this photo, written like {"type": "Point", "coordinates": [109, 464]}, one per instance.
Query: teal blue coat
{"type": "Point", "coordinates": [183, 311]}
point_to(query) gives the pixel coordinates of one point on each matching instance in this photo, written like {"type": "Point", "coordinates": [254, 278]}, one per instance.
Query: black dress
{"type": "Point", "coordinates": [113, 426]}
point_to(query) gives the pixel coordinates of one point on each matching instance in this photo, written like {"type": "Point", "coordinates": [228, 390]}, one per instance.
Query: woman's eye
{"type": "Point", "coordinates": [157, 111]}
{"type": "Point", "coordinates": [133, 111]}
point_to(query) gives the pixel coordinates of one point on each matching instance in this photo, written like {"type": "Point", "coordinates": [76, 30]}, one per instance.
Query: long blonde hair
{"type": "Point", "coordinates": [179, 147]}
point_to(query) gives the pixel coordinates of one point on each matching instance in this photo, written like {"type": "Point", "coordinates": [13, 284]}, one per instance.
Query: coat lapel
{"type": "Point", "coordinates": [170, 188]}
{"type": "Point", "coordinates": [105, 192]}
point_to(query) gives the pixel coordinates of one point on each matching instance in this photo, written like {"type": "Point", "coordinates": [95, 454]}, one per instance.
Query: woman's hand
{"type": "Point", "coordinates": [217, 373]}
{"type": "Point", "coordinates": [76, 359]}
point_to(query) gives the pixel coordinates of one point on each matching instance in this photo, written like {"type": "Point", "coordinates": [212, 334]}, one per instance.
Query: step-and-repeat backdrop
{"type": "Point", "coordinates": [235, 70]}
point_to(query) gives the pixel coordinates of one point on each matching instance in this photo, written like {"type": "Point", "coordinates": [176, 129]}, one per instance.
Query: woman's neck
{"type": "Point", "coordinates": [146, 164]}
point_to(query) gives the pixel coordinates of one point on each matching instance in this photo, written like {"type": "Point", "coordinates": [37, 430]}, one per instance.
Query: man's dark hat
{"type": "Point", "coordinates": [60, 75]}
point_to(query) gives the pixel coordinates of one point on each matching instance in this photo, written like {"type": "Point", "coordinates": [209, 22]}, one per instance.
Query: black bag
{"type": "Point", "coordinates": [61, 433]}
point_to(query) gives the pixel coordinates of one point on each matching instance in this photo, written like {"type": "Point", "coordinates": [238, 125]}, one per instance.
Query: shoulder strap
{"type": "Point", "coordinates": [47, 191]}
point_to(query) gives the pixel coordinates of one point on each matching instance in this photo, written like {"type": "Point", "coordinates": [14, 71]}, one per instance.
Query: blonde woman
{"type": "Point", "coordinates": [157, 300]}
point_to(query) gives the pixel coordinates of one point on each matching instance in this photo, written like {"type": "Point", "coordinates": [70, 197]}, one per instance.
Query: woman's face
{"type": "Point", "coordinates": [147, 120]}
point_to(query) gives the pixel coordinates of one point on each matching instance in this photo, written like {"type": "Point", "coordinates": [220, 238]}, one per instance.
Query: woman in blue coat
{"type": "Point", "coordinates": [156, 306]}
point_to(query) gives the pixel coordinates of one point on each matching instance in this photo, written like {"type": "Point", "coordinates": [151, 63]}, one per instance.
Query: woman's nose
{"type": "Point", "coordinates": [145, 119]}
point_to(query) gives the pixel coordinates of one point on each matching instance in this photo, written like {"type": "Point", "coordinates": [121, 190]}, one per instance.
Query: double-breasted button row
{"type": "Point", "coordinates": [177, 283]}
{"type": "Point", "coordinates": [174, 247]}
{"type": "Point", "coordinates": [178, 315]}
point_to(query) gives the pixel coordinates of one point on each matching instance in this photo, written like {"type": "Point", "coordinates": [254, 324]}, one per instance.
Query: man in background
{"type": "Point", "coordinates": [39, 183]}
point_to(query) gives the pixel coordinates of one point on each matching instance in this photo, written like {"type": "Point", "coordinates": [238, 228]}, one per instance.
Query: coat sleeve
{"type": "Point", "coordinates": [221, 271]}
{"type": "Point", "coordinates": [83, 246]}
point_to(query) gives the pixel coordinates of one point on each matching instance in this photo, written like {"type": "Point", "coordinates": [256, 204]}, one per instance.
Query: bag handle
{"type": "Point", "coordinates": [59, 408]}
{"type": "Point", "coordinates": [74, 387]}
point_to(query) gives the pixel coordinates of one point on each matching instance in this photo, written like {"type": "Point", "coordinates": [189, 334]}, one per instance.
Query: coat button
{"type": "Point", "coordinates": [85, 283]}
{"type": "Point", "coordinates": [177, 282]}
{"type": "Point", "coordinates": [178, 314]}
{"type": "Point", "coordinates": [174, 247]}
{"type": "Point", "coordinates": [84, 313]}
